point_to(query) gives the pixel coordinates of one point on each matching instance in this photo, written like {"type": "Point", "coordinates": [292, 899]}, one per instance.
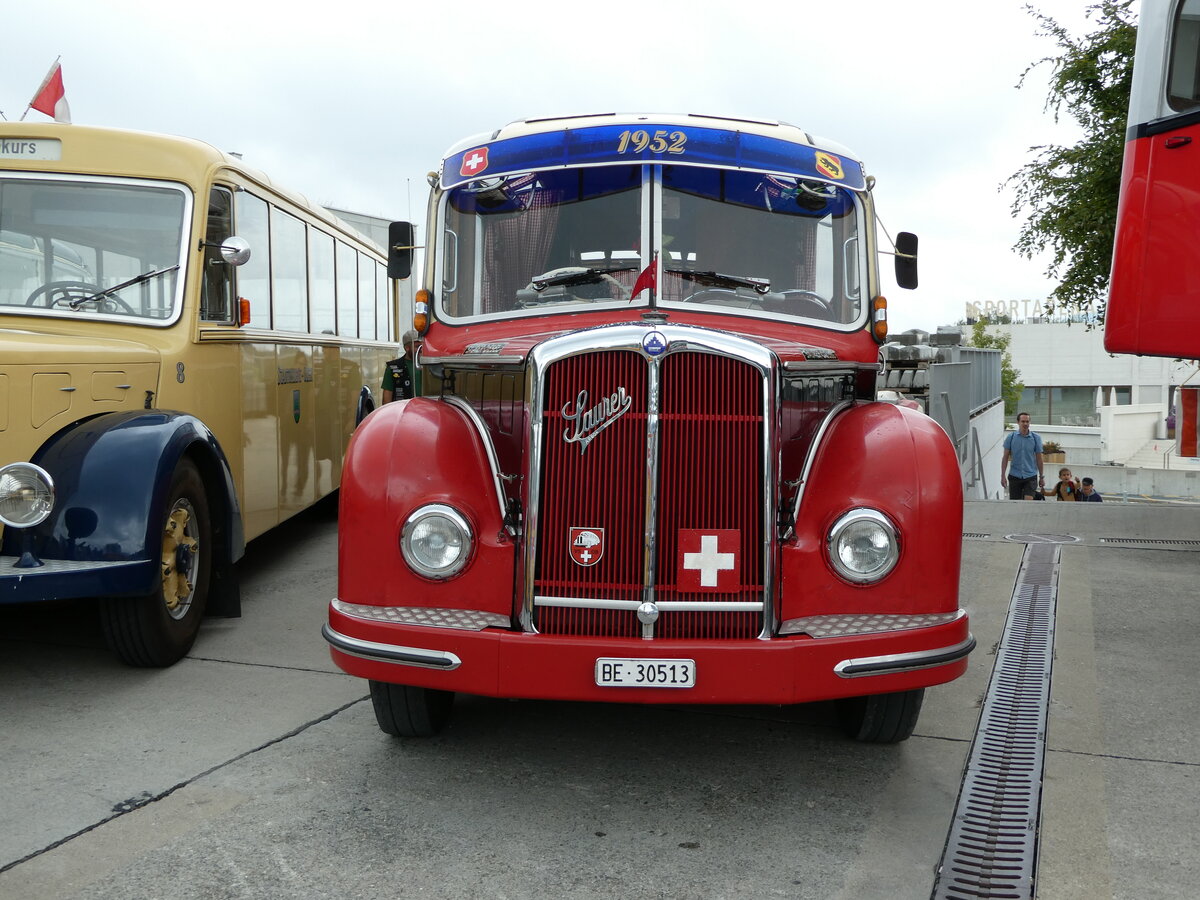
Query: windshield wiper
{"type": "Point", "coordinates": [137, 279]}
{"type": "Point", "coordinates": [575, 275]}
{"type": "Point", "coordinates": [720, 279]}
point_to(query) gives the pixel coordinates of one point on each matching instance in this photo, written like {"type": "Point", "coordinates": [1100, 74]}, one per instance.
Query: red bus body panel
{"type": "Point", "coordinates": [1154, 294]}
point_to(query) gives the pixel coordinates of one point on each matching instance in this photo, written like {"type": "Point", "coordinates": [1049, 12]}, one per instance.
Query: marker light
{"type": "Point", "coordinates": [243, 311]}
{"type": "Point", "coordinates": [879, 326]}
{"type": "Point", "coordinates": [26, 495]}
{"type": "Point", "coordinates": [421, 311]}
{"type": "Point", "coordinates": [436, 541]}
{"type": "Point", "coordinates": [863, 546]}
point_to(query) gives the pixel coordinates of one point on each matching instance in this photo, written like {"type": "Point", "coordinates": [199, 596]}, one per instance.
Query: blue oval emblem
{"type": "Point", "coordinates": [654, 343]}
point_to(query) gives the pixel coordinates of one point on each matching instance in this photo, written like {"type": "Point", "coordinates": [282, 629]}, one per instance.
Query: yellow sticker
{"type": "Point", "coordinates": [830, 166]}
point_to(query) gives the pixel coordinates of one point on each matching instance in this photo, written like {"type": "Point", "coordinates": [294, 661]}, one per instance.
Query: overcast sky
{"type": "Point", "coordinates": [352, 102]}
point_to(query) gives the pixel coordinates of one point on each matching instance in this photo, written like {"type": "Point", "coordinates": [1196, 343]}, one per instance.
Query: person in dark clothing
{"type": "Point", "coordinates": [399, 376]}
{"type": "Point", "coordinates": [1089, 494]}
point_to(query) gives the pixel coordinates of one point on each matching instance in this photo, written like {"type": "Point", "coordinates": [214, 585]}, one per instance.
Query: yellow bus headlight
{"type": "Point", "coordinates": [26, 495]}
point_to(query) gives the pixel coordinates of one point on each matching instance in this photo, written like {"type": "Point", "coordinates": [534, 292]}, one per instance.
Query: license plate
{"type": "Point", "coordinates": [663, 673]}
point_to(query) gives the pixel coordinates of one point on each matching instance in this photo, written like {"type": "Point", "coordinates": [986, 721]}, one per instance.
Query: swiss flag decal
{"type": "Point", "coordinates": [708, 560]}
{"type": "Point", "coordinates": [474, 162]}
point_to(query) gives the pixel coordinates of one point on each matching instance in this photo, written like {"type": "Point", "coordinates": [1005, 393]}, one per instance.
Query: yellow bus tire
{"type": "Point", "coordinates": [157, 630]}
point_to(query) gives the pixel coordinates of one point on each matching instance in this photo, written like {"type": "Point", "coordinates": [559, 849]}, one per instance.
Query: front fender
{"type": "Point", "coordinates": [111, 475]}
{"type": "Point", "coordinates": [900, 462]}
{"type": "Point", "coordinates": [404, 455]}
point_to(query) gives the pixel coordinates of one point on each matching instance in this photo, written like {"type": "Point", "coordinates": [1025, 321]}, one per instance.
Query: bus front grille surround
{"type": "Point", "coordinates": [651, 484]}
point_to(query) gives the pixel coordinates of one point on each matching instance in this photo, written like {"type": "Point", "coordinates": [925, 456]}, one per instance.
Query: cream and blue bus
{"type": "Point", "coordinates": [185, 349]}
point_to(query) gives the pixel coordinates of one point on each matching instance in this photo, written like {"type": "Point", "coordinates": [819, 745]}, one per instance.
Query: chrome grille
{"type": "Point", "coordinates": [685, 457]}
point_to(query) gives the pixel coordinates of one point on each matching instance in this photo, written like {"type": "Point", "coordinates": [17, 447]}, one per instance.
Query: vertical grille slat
{"type": "Point", "coordinates": [711, 433]}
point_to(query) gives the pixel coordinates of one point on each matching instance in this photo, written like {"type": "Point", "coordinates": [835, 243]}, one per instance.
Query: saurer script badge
{"type": "Point", "coordinates": [587, 545]}
{"type": "Point", "coordinates": [589, 421]}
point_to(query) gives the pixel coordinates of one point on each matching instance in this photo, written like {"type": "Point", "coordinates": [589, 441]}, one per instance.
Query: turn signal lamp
{"type": "Point", "coordinates": [421, 311]}
{"type": "Point", "coordinates": [243, 312]}
{"type": "Point", "coordinates": [879, 326]}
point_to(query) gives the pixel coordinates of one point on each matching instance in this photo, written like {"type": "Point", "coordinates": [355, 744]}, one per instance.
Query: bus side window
{"type": "Point", "coordinates": [254, 278]}
{"type": "Point", "coordinates": [1183, 85]}
{"type": "Point", "coordinates": [216, 290]}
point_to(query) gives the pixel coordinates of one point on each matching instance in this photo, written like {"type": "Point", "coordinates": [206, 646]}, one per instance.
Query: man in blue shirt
{"type": "Point", "coordinates": [1024, 448]}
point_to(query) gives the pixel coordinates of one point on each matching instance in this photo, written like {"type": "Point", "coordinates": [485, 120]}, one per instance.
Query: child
{"type": "Point", "coordinates": [1067, 488]}
{"type": "Point", "coordinates": [1088, 493]}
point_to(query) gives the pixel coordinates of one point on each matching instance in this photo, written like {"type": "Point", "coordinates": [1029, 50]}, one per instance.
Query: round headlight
{"type": "Point", "coordinates": [436, 541]}
{"type": "Point", "coordinates": [863, 546]}
{"type": "Point", "coordinates": [26, 495]}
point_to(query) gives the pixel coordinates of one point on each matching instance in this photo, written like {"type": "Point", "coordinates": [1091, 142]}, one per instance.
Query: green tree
{"type": "Point", "coordinates": [1071, 192]}
{"type": "Point", "coordinates": [1011, 385]}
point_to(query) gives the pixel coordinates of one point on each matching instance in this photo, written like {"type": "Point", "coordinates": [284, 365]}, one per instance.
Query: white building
{"type": "Point", "coordinates": [1104, 410]}
{"type": "Point", "coordinates": [1105, 407]}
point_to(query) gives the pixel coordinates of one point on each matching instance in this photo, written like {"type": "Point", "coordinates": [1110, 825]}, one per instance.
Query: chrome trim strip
{"type": "Point", "coordinates": [472, 360]}
{"type": "Point", "coordinates": [8, 566]}
{"type": "Point", "coordinates": [894, 663]}
{"type": "Point", "coordinates": [390, 653]}
{"type": "Point", "coordinates": [650, 485]}
{"type": "Point", "coordinates": [865, 623]}
{"type": "Point", "coordinates": [832, 366]}
{"type": "Point", "coordinates": [424, 616]}
{"type": "Point", "coordinates": [663, 605]}
{"type": "Point", "coordinates": [489, 447]}
{"type": "Point", "coordinates": [811, 456]}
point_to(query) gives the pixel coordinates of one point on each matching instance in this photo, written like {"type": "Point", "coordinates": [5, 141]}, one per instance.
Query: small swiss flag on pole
{"type": "Point", "coordinates": [51, 97]}
{"type": "Point", "coordinates": [647, 280]}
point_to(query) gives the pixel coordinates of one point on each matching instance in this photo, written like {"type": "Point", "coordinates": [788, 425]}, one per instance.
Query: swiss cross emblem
{"type": "Point", "coordinates": [587, 545]}
{"type": "Point", "coordinates": [708, 560]}
{"type": "Point", "coordinates": [474, 162]}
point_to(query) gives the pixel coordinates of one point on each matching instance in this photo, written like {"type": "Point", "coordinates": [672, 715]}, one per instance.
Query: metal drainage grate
{"type": "Point", "coordinates": [1042, 538]}
{"type": "Point", "coordinates": [1179, 543]}
{"type": "Point", "coordinates": [991, 850]}
{"type": "Point", "coordinates": [976, 534]}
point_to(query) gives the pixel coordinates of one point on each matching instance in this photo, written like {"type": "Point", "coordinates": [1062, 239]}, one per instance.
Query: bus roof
{"type": "Point", "coordinates": [90, 150]}
{"type": "Point", "coordinates": [680, 139]}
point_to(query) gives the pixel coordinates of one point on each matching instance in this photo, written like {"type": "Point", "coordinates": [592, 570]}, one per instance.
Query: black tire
{"type": "Point", "coordinates": [159, 629]}
{"type": "Point", "coordinates": [404, 711]}
{"type": "Point", "coordinates": [881, 718]}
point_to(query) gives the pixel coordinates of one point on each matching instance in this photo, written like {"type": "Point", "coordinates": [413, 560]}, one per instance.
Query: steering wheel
{"type": "Point", "coordinates": [811, 297]}
{"type": "Point", "coordinates": [61, 293]}
{"type": "Point", "coordinates": [714, 296]}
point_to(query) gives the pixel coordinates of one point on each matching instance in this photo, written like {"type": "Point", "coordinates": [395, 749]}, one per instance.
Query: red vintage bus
{"type": "Point", "coordinates": [1154, 293]}
{"type": "Point", "coordinates": [648, 464]}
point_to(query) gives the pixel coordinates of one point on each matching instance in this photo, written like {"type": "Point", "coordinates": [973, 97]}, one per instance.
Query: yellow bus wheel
{"type": "Point", "coordinates": [159, 629]}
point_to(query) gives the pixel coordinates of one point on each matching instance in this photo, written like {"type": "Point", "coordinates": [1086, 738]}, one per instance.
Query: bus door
{"type": "Point", "coordinates": [1154, 294]}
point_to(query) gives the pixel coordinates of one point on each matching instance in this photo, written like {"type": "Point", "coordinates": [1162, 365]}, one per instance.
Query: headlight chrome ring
{"type": "Point", "coordinates": [436, 541]}
{"type": "Point", "coordinates": [26, 495]}
{"type": "Point", "coordinates": [863, 546]}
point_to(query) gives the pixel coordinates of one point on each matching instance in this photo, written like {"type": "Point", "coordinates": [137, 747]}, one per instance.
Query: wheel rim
{"type": "Point", "coordinates": [180, 559]}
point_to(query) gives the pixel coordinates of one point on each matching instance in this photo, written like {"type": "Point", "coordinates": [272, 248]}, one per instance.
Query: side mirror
{"type": "Point", "coordinates": [234, 250]}
{"type": "Point", "coordinates": [400, 249]}
{"type": "Point", "coordinates": [906, 260]}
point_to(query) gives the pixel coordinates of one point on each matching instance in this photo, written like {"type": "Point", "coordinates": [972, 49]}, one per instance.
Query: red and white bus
{"type": "Point", "coordinates": [648, 464]}
{"type": "Point", "coordinates": [1154, 294]}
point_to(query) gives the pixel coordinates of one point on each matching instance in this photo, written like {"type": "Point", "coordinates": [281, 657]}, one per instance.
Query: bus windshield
{"type": "Point", "coordinates": [723, 240]}
{"type": "Point", "coordinates": [87, 248]}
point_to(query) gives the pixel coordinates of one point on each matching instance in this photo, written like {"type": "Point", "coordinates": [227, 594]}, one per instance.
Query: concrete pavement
{"type": "Point", "coordinates": [255, 769]}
